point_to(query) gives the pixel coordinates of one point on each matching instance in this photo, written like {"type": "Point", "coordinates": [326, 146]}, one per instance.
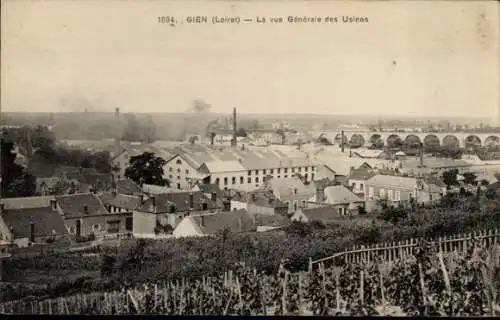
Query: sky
{"type": "Point", "coordinates": [411, 58]}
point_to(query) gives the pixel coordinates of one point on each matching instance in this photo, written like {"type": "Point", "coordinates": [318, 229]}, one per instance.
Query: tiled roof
{"type": "Point", "coordinates": [127, 186]}
{"type": "Point", "coordinates": [154, 189]}
{"type": "Point", "coordinates": [286, 187]}
{"type": "Point", "coordinates": [44, 218]}
{"type": "Point", "coordinates": [236, 221]}
{"type": "Point", "coordinates": [124, 201]}
{"type": "Point", "coordinates": [393, 181]}
{"type": "Point", "coordinates": [270, 220]}
{"type": "Point", "coordinates": [320, 213]}
{"type": "Point", "coordinates": [361, 174]}
{"type": "Point", "coordinates": [340, 195]}
{"type": "Point", "coordinates": [180, 200]}
{"type": "Point", "coordinates": [26, 202]}
{"type": "Point", "coordinates": [72, 205]}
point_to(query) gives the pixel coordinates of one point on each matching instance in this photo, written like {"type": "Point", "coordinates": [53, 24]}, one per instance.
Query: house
{"type": "Point", "coordinates": [343, 200]}
{"type": "Point", "coordinates": [152, 189]}
{"type": "Point", "coordinates": [324, 213]}
{"type": "Point", "coordinates": [164, 211]}
{"type": "Point", "coordinates": [84, 179]}
{"type": "Point", "coordinates": [320, 186]}
{"type": "Point", "coordinates": [397, 189]}
{"type": "Point", "coordinates": [30, 220]}
{"type": "Point", "coordinates": [259, 202]}
{"type": "Point", "coordinates": [85, 214]}
{"type": "Point", "coordinates": [369, 153]}
{"type": "Point", "coordinates": [338, 168]}
{"type": "Point", "coordinates": [357, 179]}
{"type": "Point", "coordinates": [291, 191]}
{"type": "Point", "coordinates": [212, 191]}
{"type": "Point", "coordinates": [266, 222]}
{"type": "Point", "coordinates": [237, 221]}
{"type": "Point", "coordinates": [127, 186]}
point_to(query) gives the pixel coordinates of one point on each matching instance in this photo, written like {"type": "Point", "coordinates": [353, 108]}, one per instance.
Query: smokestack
{"type": "Point", "coordinates": [342, 140]}
{"type": "Point", "coordinates": [191, 200]}
{"type": "Point", "coordinates": [32, 231]}
{"type": "Point", "coordinates": [421, 154]}
{"type": "Point", "coordinates": [234, 128]}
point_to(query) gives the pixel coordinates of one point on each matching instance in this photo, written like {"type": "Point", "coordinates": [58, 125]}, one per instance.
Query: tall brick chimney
{"type": "Point", "coordinates": [342, 140]}
{"type": "Point", "coordinates": [233, 142]}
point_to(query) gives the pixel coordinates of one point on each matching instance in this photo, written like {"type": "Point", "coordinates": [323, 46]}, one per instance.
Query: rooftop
{"type": "Point", "coordinates": [236, 221]}
{"type": "Point", "coordinates": [73, 206]}
{"type": "Point", "coordinates": [45, 221]}
{"type": "Point", "coordinates": [340, 195]}
{"type": "Point", "coordinates": [180, 200]}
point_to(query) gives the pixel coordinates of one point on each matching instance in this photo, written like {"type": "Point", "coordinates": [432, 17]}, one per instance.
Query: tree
{"type": "Point", "coordinates": [147, 168]}
{"type": "Point", "coordinates": [470, 178]}
{"type": "Point", "coordinates": [241, 132]}
{"type": "Point", "coordinates": [15, 182]}
{"type": "Point", "coordinates": [450, 177]}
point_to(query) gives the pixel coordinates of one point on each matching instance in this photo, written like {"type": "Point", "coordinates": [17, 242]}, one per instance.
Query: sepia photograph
{"type": "Point", "coordinates": [250, 158]}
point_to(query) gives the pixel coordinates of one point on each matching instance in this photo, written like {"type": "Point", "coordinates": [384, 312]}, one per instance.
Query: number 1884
{"type": "Point", "coordinates": [165, 19]}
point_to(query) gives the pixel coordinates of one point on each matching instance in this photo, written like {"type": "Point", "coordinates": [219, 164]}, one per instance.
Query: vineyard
{"type": "Point", "coordinates": [426, 282]}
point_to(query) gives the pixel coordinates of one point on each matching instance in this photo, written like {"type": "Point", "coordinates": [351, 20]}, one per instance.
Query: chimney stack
{"type": "Point", "coordinates": [85, 209]}
{"type": "Point", "coordinates": [53, 204]}
{"type": "Point", "coordinates": [421, 154]}
{"type": "Point", "coordinates": [233, 144]}
{"type": "Point", "coordinates": [32, 231]}
{"type": "Point", "coordinates": [342, 140]}
{"type": "Point", "coordinates": [191, 200]}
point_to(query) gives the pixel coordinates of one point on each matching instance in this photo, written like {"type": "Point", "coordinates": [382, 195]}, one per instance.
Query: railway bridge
{"type": "Point", "coordinates": [457, 139]}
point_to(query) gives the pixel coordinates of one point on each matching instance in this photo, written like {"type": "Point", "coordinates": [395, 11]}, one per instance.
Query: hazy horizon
{"type": "Point", "coordinates": [412, 59]}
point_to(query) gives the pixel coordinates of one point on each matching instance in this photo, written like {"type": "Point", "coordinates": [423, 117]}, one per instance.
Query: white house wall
{"type": "Point", "coordinates": [179, 173]}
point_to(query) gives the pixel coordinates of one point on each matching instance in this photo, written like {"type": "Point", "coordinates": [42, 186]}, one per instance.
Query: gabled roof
{"type": "Point", "coordinates": [222, 166]}
{"type": "Point", "coordinates": [320, 213]}
{"type": "Point", "coordinates": [154, 189]}
{"type": "Point", "coordinates": [119, 200]}
{"type": "Point", "coordinates": [340, 195]}
{"type": "Point", "coordinates": [44, 219]}
{"type": "Point", "coordinates": [180, 200]}
{"type": "Point", "coordinates": [26, 202]}
{"type": "Point", "coordinates": [393, 181]}
{"type": "Point", "coordinates": [73, 205]}
{"type": "Point", "coordinates": [361, 174]}
{"type": "Point", "coordinates": [127, 186]}
{"type": "Point", "coordinates": [236, 221]}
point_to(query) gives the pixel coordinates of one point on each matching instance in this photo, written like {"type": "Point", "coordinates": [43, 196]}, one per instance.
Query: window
{"type": "Point", "coordinates": [306, 176]}
{"type": "Point", "coordinates": [249, 180]}
{"type": "Point", "coordinates": [256, 171]}
{"type": "Point", "coordinates": [217, 181]}
{"type": "Point", "coordinates": [178, 170]}
{"type": "Point", "coordinates": [307, 169]}
{"type": "Point", "coordinates": [279, 170]}
{"type": "Point", "coordinates": [225, 181]}
{"type": "Point", "coordinates": [370, 192]}
{"type": "Point", "coordinates": [389, 195]}
{"type": "Point", "coordinates": [353, 185]}
{"type": "Point", "coordinates": [286, 176]}
{"type": "Point", "coordinates": [279, 177]}
{"type": "Point", "coordinates": [96, 227]}
{"type": "Point", "coordinates": [170, 176]}
{"type": "Point", "coordinates": [178, 177]}
{"type": "Point", "coordinates": [300, 169]}
{"type": "Point", "coordinates": [361, 186]}
{"type": "Point", "coordinates": [242, 180]}
{"type": "Point", "coordinates": [271, 171]}
{"type": "Point", "coordinates": [295, 205]}
{"type": "Point", "coordinates": [204, 206]}
{"type": "Point", "coordinates": [178, 161]}
{"type": "Point", "coordinates": [249, 172]}
{"type": "Point", "coordinates": [178, 186]}
{"type": "Point", "coordinates": [187, 171]}
{"type": "Point", "coordinates": [341, 211]}
{"type": "Point", "coordinates": [312, 176]}
{"type": "Point", "coordinates": [293, 169]}
{"type": "Point", "coordinates": [286, 170]}
{"type": "Point", "coordinates": [257, 180]}
{"type": "Point", "coordinates": [233, 180]}
{"type": "Point", "coordinates": [170, 169]}
{"type": "Point", "coordinates": [72, 230]}
{"type": "Point", "coordinates": [129, 223]}
{"type": "Point", "coordinates": [381, 193]}
{"type": "Point", "coordinates": [264, 171]}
